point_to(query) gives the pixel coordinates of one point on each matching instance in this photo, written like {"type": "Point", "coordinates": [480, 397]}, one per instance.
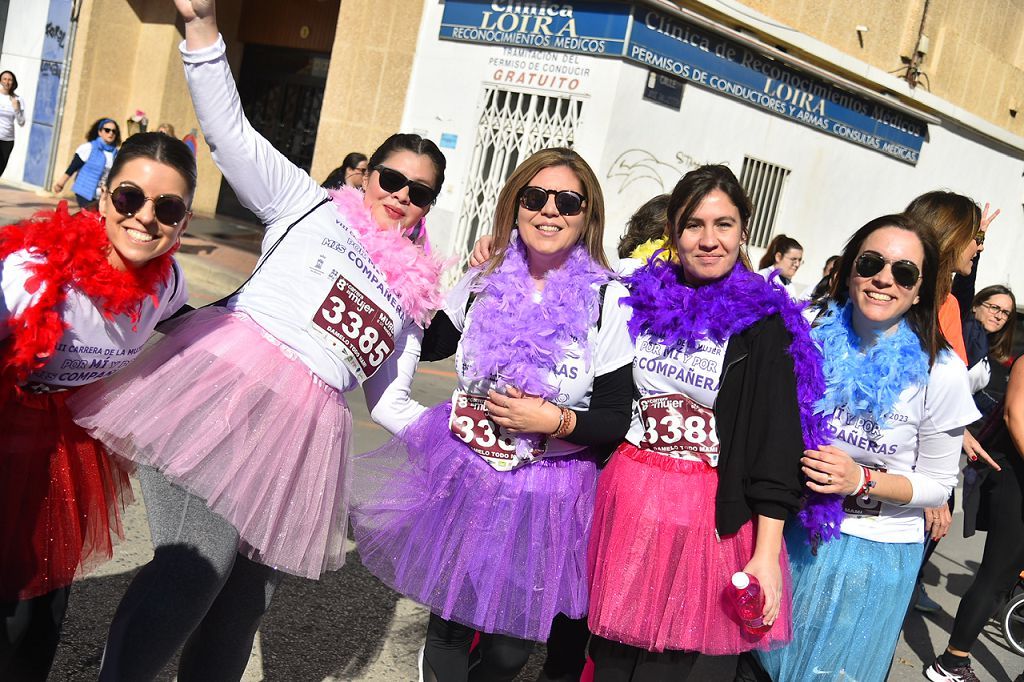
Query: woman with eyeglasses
{"type": "Point", "coordinates": [351, 172]}
{"type": "Point", "coordinates": [784, 255]}
{"type": "Point", "coordinates": [237, 418]}
{"type": "Point", "coordinates": [725, 374]}
{"type": "Point", "coordinates": [12, 111]}
{"type": "Point", "coordinates": [897, 402]}
{"type": "Point", "coordinates": [992, 490]}
{"type": "Point", "coordinates": [79, 296]}
{"type": "Point", "coordinates": [92, 161]}
{"type": "Point", "coordinates": [481, 508]}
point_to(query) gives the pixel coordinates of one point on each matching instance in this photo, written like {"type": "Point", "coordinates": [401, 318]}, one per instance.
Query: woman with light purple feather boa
{"type": "Point", "coordinates": [481, 508]}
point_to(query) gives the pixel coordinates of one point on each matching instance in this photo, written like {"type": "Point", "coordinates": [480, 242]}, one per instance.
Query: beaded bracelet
{"type": "Point", "coordinates": [865, 490]}
{"type": "Point", "coordinates": [564, 423]}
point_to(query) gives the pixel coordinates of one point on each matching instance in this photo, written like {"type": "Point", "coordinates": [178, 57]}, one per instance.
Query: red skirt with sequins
{"type": "Point", "coordinates": [61, 497]}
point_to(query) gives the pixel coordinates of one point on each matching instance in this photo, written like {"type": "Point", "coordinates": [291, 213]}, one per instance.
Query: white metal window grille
{"type": "Point", "coordinates": [512, 126]}
{"type": "Point", "coordinates": [763, 183]}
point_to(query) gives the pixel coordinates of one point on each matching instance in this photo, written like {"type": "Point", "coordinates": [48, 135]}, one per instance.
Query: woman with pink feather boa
{"type": "Point", "coordinates": [237, 418]}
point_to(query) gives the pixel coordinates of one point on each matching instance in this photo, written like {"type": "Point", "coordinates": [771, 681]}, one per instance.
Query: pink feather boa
{"type": "Point", "coordinates": [414, 275]}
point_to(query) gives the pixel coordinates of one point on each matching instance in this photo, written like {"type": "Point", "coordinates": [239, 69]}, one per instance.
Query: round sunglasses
{"type": "Point", "coordinates": [392, 181]}
{"type": "Point", "coordinates": [904, 272]}
{"type": "Point", "coordinates": [567, 202]}
{"type": "Point", "coordinates": [169, 209]}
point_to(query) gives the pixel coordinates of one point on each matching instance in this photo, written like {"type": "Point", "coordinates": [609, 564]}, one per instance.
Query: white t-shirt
{"type": "Point", "coordinates": [8, 117]}
{"type": "Point", "coordinates": [93, 347]}
{"type": "Point", "coordinates": [919, 441]}
{"type": "Point", "coordinates": [291, 295]}
{"type": "Point", "coordinates": [794, 290]}
{"type": "Point", "coordinates": [664, 423]}
{"type": "Point", "coordinates": [610, 346]}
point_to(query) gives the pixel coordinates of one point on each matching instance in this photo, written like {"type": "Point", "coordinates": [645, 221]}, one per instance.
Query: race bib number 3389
{"type": "Point", "coordinates": [351, 326]}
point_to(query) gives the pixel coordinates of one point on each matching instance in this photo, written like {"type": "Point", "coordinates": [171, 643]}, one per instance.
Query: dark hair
{"type": "Point", "coordinates": [159, 147]}
{"type": "Point", "coordinates": [923, 315]}
{"type": "Point", "coordinates": [690, 191]}
{"type": "Point", "coordinates": [780, 244]}
{"type": "Point", "coordinates": [1000, 343]}
{"type": "Point", "coordinates": [94, 130]}
{"type": "Point", "coordinates": [411, 142]}
{"type": "Point", "coordinates": [955, 220]}
{"type": "Point", "coordinates": [830, 262]}
{"type": "Point", "coordinates": [649, 222]}
{"type": "Point", "coordinates": [352, 160]}
{"type": "Point", "coordinates": [14, 78]}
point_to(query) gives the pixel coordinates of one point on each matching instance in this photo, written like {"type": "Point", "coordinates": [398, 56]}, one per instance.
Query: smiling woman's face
{"type": "Point", "coordinates": [390, 209]}
{"type": "Point", "coordinates": [710, 241]}
{"type": "Point", "coordinates": [878, 300]}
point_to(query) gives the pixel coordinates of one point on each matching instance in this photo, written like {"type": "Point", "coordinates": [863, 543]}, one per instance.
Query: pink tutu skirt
{"type": "Point", "coordinates": [658, 573]}
{"type": "Point", "coordinates": [502, 552]}
{"type": "Point", "coordinates": [229, 413]}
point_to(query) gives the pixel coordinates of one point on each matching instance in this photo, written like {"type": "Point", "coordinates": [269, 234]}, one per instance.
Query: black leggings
{"type": "Point", "coordinates": [30, 635]}
{"type": "Point", "coordinates": [1003, 558]}
{"type": "Point", "coordinates": [446, 654]}
{"type": "Point", "coordinates": [616, 662]}
{"type": "Point", "coordinates": [6, 147]}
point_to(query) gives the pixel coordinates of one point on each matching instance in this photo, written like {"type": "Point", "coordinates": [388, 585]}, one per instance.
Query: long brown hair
{"type": "Point", "coordinates": [923, 316]}
{"type": "Point", "coordinates": [781, 245]}
{"type": "Point", "coordinates": [955, 220]}
{"type": "Point", "coordinates": [507, 210]}
{"type": "Point", "coordinates": [1000, 343]}
{"type": "Point", "coordinates": [690, 191]}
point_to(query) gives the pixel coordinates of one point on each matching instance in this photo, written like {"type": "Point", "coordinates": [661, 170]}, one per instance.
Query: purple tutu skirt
{"type": "Point", "coordinates": [502, 552]}
{"type": "Point", "coordinates": [659, 573]}
{"type": "Point", "coordinates": [229, 413]}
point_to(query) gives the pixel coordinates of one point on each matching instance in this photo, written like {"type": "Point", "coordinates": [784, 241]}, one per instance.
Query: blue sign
{"type": "Point", "coordinates": [449, 140]}
{"type": "Point", "coordinates": [582, 27]}
{"type": "Point", "coordinates": [703, 57]}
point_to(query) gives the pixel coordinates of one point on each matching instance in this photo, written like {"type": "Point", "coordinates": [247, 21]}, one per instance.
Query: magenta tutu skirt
{"type": "Point", "coordinates": [502, 552]}
{"type": "Point", "coordinates": [229, 413]}
{"type": "Point", "coordinates": [659, 574]}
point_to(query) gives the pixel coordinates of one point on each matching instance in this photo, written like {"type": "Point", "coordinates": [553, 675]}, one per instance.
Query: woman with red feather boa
{"type": "Point", "coordinates": [79, 296]}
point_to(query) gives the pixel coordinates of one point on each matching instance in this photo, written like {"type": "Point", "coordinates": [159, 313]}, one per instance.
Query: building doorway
{"type": "Point", "coordinates": [282, 91]}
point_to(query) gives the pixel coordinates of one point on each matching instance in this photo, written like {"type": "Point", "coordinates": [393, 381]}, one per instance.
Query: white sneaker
{"type": "Point", "coordinates": [961, 673]}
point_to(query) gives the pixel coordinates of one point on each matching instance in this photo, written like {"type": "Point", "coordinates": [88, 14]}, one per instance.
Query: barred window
{"type": "Point", "coordinates": [763, 183]}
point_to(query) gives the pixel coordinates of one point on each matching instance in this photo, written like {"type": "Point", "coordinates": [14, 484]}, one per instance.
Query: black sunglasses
{"type": "Point", "coordinates": [391, 180]}
{"type": "Point", "coordinates": [108, 130]}
{"type": "Point", "coordinates": [566, 201]}
{"type": "Point", "coordinates": [169, 209]}
{"type": "Point", "coordinates": [904, 272]}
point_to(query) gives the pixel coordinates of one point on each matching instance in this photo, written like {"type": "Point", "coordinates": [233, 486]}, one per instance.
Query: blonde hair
{"type": "Point", "coordinates": [507, 210]}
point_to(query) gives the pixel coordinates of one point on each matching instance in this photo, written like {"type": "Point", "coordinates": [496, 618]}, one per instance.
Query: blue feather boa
{"type": "Point", "coordinates": [869, 382]}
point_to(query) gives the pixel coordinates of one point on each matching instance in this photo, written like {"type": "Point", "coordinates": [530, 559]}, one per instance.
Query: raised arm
{"type": "Point", "coordinates": [264, 180]}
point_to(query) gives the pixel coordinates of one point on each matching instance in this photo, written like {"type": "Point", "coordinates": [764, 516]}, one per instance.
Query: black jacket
{"type": "Point", "coordinates": [758, 423]}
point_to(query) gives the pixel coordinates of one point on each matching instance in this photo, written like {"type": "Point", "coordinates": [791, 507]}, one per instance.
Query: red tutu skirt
{"type": "Point", "coordinates": [61, 497]}
{"type": "Point", "coordinates": [659, 575]}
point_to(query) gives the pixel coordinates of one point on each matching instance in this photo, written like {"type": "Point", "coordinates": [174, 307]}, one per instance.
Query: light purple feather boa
{"type": "Point", "coordinates": [668, 309]}
{"type": "Point", "coordinates": [520, 341]}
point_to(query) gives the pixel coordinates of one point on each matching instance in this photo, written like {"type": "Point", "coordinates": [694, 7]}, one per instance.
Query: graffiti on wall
{"type": "Point", "coordinates": [642, 171]}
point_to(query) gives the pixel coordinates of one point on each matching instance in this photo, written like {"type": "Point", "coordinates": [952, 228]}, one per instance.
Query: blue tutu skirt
{"type": "Point", "coordinates": [849, 602]}
{"type": "Point", "coordinates": [502, 552]}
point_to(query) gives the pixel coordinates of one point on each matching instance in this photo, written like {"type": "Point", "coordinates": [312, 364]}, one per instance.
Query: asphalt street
{"type": "Point", "coordinates": [348, 626]}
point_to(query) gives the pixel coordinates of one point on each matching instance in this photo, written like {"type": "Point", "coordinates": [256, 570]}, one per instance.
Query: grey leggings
{"type": "Point", "coordinates": [197, 593]}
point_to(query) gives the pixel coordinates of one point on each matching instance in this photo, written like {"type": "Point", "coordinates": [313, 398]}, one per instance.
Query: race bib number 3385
{"type": "Point", "coordinates": [351, 326]}
{"type": "Point", "coordinates": [677, 425]}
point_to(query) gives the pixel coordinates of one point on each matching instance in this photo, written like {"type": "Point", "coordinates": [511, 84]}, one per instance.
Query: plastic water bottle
{"type": "Point", "coordinates": [749, 601]}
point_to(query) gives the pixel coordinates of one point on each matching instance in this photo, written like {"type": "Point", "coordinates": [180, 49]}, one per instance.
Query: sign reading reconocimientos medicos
{"type": "Point", "coordinates": [681, 49]}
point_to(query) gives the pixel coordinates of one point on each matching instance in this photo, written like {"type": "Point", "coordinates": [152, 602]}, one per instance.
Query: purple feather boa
{"type": "Point", "coordinates": [721, 309]}
{"type": "Point", "coordinates": [521, 341]}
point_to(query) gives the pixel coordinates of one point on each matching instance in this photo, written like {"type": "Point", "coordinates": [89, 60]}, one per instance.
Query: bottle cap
{"type": "Point", "coordinates": [740, 580]}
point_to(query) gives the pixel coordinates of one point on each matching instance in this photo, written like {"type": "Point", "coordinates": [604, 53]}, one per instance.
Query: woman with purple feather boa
{"type": "Point", "coordinates": [481, 508]}
{"type": "Point", "coordinates": [897, 401]}
{"type": "Point", "coordinates": [726, 375]}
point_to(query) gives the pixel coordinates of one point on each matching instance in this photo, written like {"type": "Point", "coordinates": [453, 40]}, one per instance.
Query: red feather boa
{"type": "Point", "coordinates": [74, 250]}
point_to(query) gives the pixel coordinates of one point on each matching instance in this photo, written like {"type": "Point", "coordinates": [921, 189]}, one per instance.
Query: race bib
{"type": "Point", "coordinates": [856, 505]}
{"type": "Point", "coordinates": [678, 426]}
{"type": "Point", "coordinates": [354, 328]}
{"type": "Point", "coordinates": [473, 426]}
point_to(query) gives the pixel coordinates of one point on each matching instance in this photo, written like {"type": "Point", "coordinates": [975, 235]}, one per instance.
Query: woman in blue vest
{"type": "Point", "coordinates": [92, 161]}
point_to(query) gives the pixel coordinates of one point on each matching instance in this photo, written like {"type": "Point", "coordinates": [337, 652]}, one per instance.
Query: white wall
{"type": "Point", "coordinates": [640, 149]}
{"type": "Point", "coordinates": [22, 47]}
